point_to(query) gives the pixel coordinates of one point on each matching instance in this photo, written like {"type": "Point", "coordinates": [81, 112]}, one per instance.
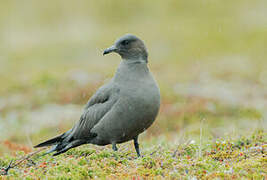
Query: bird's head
{"type": "Point", "coordinates": [129, 47]}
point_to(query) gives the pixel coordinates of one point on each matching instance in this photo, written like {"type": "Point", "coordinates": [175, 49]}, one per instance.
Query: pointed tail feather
{"type": "Point", "coordinates": [72, 144]}
{"type": "Point", "coordinates": [50, 142]}
{"type": "Point", "coordinates": [52, 149]}
{"type": "Point", "coordinates": [64, 142]}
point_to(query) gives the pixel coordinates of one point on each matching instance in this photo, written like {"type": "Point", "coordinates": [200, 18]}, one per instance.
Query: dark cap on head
{"type": "Point", "coordinates": [129, 47]}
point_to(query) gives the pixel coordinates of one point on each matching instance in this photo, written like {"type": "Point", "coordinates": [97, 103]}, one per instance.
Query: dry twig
{"type": "Point", "coordinates": [4, 171]}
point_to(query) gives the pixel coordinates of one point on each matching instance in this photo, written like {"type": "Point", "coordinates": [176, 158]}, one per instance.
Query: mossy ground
{"type": "Point", "coordinates": [226, 158]}
{"type": "Point", "coordinates": [209, 58]}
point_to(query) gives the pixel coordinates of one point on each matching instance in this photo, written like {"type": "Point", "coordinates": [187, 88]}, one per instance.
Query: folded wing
{"type": "Point", "coordinates": [98, 105]}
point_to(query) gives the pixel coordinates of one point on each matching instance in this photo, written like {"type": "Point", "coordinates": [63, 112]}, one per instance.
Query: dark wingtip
{"type": "Point", "coordinates": [49, 142]}
{"type": "Point", "coordinates": [38, 145]}
{"type": "Point", "coordinates": [46, 143]}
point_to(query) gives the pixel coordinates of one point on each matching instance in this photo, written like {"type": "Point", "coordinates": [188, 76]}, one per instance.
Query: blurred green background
{"type": "Point", "coordinates": [208, 56]}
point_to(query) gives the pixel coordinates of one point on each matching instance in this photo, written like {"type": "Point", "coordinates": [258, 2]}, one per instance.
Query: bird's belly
{"type": "Point", "coordinates": [130, 117]}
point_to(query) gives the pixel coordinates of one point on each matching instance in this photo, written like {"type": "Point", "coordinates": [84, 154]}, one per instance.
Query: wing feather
{"type": "Point", "coordinates": [100, 103]}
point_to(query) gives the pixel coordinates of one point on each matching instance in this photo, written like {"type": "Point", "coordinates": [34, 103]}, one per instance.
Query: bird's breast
{"type": "Point", "coordinates": [141, 96]}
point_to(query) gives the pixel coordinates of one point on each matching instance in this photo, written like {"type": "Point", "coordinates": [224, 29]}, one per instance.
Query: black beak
{"type": "Point", "coordinates": [109, 50]}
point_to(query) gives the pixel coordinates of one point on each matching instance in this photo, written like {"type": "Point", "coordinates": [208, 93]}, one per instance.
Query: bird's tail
{"type": "Point", "coordinates": [64, 142]}
{"type": "Point", "coordinates": [61, 144]}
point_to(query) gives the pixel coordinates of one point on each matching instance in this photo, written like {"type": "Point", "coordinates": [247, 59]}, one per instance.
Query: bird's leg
{"type": "Point", "coordinates": [114, 147]}
{"type": "Point", "coordinates": [136, 145]}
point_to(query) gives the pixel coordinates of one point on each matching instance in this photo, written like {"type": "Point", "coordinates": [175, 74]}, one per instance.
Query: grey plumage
{"type": "Point", "coordinates": [120, 110]}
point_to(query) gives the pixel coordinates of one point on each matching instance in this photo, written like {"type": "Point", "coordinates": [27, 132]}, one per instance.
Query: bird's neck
{"type": "Point", "coordinates": [133, 64]}
{"type": "Point", "coordinates": [134, 61]}
{"type": "Point", "coordinates": [129, 69]}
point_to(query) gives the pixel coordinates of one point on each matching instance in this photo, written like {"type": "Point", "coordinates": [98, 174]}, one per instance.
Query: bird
{"type": "Point", "coordinates": [119, 110]}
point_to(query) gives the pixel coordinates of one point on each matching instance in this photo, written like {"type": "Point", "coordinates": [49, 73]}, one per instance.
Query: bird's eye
{"type": "Point", "coordinates": [125, 42]}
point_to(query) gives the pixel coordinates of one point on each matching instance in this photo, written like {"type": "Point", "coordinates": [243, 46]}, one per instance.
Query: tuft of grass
{"type": "Point", "coordinates": [243, 157]}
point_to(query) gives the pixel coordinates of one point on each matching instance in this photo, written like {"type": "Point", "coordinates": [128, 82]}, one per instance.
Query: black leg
{"type": "Point", "coordinates": [114, 147]}
{"type": "Point", "coordinates": [136, 145]}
